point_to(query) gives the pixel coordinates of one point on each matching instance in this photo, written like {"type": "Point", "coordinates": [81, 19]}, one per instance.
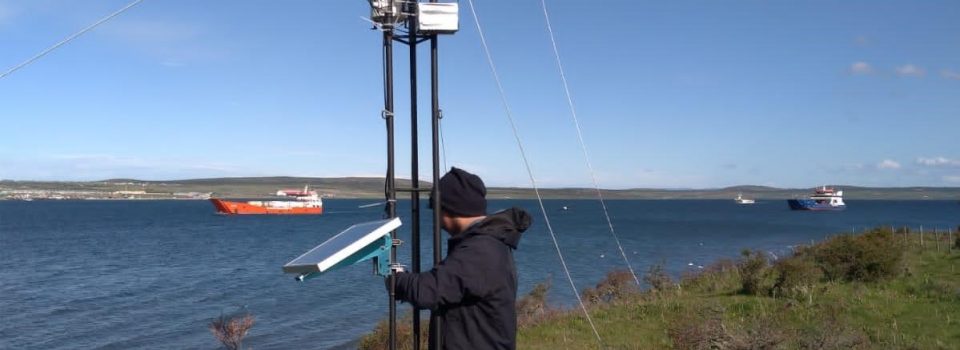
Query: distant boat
{"type": "Point", "coordinates": [741, 200]}
{"type": "Point", "coordinates": [305, 202]}
{"type": "Point", "coordinates": [824, 198]}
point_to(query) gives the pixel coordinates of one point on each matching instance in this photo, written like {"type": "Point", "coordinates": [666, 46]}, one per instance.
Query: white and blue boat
{"type": "Point", "coordinates": [825, 198]}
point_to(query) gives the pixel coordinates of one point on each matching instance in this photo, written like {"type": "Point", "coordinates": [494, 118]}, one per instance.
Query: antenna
{"type": "Point", "coordinates": [423, 21]}
{"type": "Point", "coordinates": [376, 240]}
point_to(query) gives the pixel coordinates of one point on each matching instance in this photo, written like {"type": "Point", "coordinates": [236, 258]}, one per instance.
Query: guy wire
{"type": "Point", "coordinates": [68, 39]}
{"type": "Point", "coordinates": [526, 163]}
{"type": "Point", "coordinates": [583, 145]}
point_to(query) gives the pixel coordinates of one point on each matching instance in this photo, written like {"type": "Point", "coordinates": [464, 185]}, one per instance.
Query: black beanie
{"type": "Point", "coordinates": [462, 194]}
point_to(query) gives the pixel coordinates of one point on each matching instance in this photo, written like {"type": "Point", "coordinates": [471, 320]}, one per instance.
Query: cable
{"type": "Point", "coordinates": [68, 39]}
{"type": "Point", "coordinates": [583, 145]}
{"type": "Point", "coordinates": [443, 145]}
{"type": "Point", "coordinates": [526, 163]}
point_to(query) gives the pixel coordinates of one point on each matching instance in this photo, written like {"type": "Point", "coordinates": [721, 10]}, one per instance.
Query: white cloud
{"type": "Point", "coordinates": [909, 70]}
{"type": "Point", "coordinates": [938, 161]}
{"type": "Point", "coordinates": [888, 164]}
{"type": "Point", "coordinates": [861, 68]}
{"type": "Point", "coordinates": [949, 74]}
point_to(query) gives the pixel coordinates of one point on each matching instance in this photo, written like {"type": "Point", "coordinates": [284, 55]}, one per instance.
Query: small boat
{"type": "Point", "coordinates": [741, 200]}
{"type": "Point", "coordinates": [824, 198]}
{"type": "Point", "coordinates": [304, 202]}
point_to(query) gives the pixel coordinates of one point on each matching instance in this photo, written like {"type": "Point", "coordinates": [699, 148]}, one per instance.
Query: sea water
{"type": "Point", "coordinates": [153, 274]}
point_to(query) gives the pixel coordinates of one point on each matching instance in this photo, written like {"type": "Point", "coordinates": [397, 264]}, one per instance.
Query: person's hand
{"type": "Point", "coordinates": [394, 270]}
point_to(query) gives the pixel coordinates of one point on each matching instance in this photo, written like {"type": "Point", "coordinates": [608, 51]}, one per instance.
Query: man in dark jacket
{"type": "Point", "coordinates": [474, 289]}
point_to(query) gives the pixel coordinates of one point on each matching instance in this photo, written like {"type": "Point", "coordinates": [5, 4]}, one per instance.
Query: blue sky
{"type": "Point", "coordinates": [679, 94]}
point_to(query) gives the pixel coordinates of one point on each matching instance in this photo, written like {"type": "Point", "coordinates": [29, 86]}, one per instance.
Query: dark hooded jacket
{"type": "Point", "coordinates": [474, 289]}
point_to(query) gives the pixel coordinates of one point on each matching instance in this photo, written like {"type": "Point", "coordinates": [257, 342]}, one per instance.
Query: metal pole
{"type": "Point", "coordinates": [414, 166]}
{"type": "Point", "coordinates": [390, 187]}
{"type": "Point", "coordinates": [435, 191]}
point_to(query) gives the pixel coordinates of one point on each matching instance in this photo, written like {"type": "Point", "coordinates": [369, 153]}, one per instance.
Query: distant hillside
{"type": "Point", "coordinates": [372, 187]}
{"type": "Point", "coordinates": [755, 192]}
{"type": "Point", "coordinates": [254, 187]}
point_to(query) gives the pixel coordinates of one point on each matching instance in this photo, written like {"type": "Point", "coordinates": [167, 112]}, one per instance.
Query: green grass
{"type": "Point", "coordinates": [918, 307]}
{"type": "Point", "coordinates": [914, 305]}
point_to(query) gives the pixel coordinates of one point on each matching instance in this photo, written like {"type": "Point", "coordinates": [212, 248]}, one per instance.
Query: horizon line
{"type": "Point", "coordinates": [494, 187]}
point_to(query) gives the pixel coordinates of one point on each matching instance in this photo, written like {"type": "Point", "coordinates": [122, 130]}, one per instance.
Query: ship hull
{"type": "Point", "coordinates": [809, 204]}
{"type": "Point", "coordinates": [243, 208]}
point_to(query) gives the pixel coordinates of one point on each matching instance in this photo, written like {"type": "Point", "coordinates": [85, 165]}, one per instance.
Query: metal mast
{"type": "Point", "coordinates": [423, 21]}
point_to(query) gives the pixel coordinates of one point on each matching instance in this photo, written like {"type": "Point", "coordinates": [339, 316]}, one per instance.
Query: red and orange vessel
{"type": "Point", "coordinates": [305, 202]}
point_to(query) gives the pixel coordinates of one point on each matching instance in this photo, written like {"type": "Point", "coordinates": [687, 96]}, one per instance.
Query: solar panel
{"type": "Point", "coordinates": [343, 246]}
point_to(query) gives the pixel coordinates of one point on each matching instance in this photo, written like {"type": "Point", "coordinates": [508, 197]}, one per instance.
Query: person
{"type": "Point", "coordinates": [474, 289]}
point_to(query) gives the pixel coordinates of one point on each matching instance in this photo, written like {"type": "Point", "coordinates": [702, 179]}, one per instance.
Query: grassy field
{"type": "Point", "coordinates": [879, 290]}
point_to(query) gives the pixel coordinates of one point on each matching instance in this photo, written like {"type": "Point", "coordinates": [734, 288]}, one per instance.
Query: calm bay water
{"type": "Point", "coordinates": [153, 274]}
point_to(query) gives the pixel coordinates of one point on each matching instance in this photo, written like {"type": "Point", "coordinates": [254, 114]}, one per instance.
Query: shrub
{"type": "Point", "coordinates": [868, 257]}
{"type": "Point", "coordinates": [231, 330]}
{"type": "Point", "coordinates": [533, 308]}
{"type": "Point", "coordinates": [956, 243]}
{"type": "Point", "coordinates": [934, 289]}
{"type": "Point", "coordinates": [704, 330]}
{"type": "Point", "coordinates": [657, 278]}
{"type": "Point", "coordinates": [832, 333]}
{"type": "Point", "coordinates": [760, 332]}
{"type": "Point", "coordinates": [752, 268]}
{"type": "Point", "coordinates": [616, 286]}
{"type": "Point", "coordinates": [794, 275]}
{"type": "Point", "coordinates": [380, 337]}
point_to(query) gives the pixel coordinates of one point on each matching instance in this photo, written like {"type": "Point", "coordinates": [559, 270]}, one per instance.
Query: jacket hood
{"type": "Point", "coordinates": [506, 226]}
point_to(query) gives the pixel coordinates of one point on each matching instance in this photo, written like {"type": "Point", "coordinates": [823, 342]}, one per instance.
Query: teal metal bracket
{"type": "Point", "coordinates": [378, 251]}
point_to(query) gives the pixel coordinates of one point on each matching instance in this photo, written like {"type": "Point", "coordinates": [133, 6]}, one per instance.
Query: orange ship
{"type": "Point", "coordinates": [305, 202]}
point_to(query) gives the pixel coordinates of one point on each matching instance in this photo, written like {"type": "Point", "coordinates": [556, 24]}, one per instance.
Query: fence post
{"type": "Point", "coordinates": [936, 236]}
{"type": "Point", "coordinates": [921, 236]}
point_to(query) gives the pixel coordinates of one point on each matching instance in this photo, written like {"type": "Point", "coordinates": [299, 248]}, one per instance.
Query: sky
{"type": "Point", "coordinates": [676, 94]}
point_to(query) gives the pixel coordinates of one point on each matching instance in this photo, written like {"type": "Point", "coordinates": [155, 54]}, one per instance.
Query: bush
{"type": "Point", "coordinates": [793, 275]}
{"type": "Point", "coordinates": [830, 332]}
{"type": "Point", "coordinates": [699, 331]}
{"type": "Point", "coordinates": [380, 337]}
{"type": "Point", "coordinates": [956, 244]}
{"type": "Point", "coordinates": [231, 330]}
{"type": "Point", "coordinates": [706, 329]}
{"type": "Point", "coordinates": [869, 257]}
{"type": "Point", "coordinates": [752, 268]}
{"type": "Point", "coordinates": [657, 278]}
{"type": "Point", "coordinates": [616, 286]}
{"type": "Point", "coordinates": [533, 308]}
